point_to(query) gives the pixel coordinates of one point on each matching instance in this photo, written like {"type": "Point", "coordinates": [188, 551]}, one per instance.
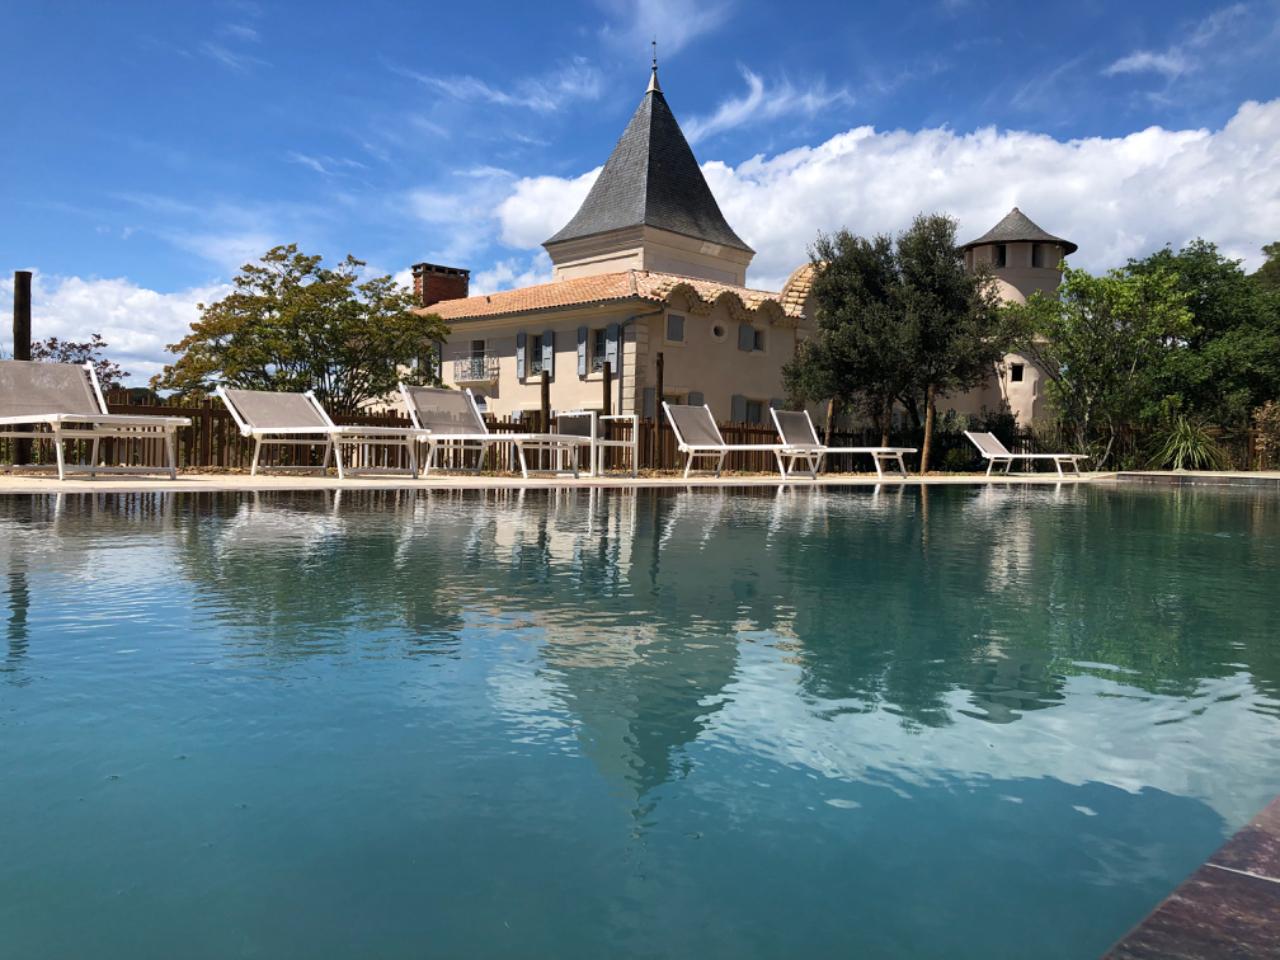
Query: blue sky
{"type": "Point", "coordinates": [155, 146]}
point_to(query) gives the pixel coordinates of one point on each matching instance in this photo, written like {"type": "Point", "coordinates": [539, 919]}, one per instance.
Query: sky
{"type": "Point", "coordinates": [151, 148]}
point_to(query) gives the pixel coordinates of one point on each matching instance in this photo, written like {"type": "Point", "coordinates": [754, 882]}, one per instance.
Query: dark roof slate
{"type": "Point", "coordinates": [1017, 227]}
{"type": "Point", "coordinates": [651, 178]}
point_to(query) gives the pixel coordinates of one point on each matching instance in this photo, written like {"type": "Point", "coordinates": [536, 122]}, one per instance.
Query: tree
{"type": "Point", "coordinates": [1267, 276]}
{"type": "Point", "coordinates": [1229, 361]}
{"type": "Point", "coordinates": [1097, 341]}
{"type": "Point", "coordinates": [951, 316]}
{"type": "Point", "coordinates": [860, 355]}
{"type": "Point", "coordinates": [292, 324]}
{"type": "Point", "coordinates": [93, 350]}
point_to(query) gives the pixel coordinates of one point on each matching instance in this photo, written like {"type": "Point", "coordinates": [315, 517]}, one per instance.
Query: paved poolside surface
{"type": "Point", "coordinates": [32, 483]}
{"type": "Point", "coordinates": [1229, 908]}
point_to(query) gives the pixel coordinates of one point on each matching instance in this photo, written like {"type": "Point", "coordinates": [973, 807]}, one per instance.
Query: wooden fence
{"type": "Point", "coordinates": [213, 442]}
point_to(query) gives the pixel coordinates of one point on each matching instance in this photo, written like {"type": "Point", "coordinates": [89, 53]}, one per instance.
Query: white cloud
{"type": "Point", "coordinates": [760, 104]}
{"type": "Point", "coordinates": [575, 80]}
{"type": "Point", "coordinates": [512, 273]}
{"type": "Point", "coordinates": [1116, 196]}
{"type": "Point", "coordinates": [539, 206]}
{"type": "Point", "coordinates": [1185, 57]}
{"type": "Point", "coordinates": [136, 323]}
{"type": "Point", "coordinates": [1171, 63]}
{"type": "Point", "coordinates": [673, 23]}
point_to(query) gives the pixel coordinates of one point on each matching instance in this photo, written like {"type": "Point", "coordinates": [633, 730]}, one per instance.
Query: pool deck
{"type": "Point", "coordinates": [1229, 908]}
{"type": "Point", "coordinates": [1203, 478]}
{"type": "Point", "coordinates": [31, 483]}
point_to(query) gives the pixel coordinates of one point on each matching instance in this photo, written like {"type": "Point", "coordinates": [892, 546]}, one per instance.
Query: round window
{"type": "Point", "coordinates": [718, 332]}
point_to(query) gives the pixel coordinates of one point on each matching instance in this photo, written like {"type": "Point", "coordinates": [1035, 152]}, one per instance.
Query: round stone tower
{"type": "Point", "coordinates": [1023, 257]}
{"type": "Point", "coordinates": [1024, 260]}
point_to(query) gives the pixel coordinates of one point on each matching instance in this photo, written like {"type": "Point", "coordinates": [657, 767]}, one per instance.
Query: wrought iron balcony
{"type": "Point", "coordinates": [476, 369]}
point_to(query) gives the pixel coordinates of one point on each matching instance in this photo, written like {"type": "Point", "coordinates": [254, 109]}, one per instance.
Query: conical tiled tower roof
{"type": "Point", "coordinates": [1017, 227]}
{"type": "Point", "coordinates": [652, 179]}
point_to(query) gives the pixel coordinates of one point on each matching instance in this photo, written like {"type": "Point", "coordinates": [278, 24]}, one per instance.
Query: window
{"type": "Point", "coordinates": [675, 328]}
{"type": "Point", "coordinates": [717, 331]}
{"type": "Point", "coordinates": [599, 349]}
{"type": "Point", "coordinates": [1000, 255]}
{"type": "Point", "coordinates": [755, 411]}
{"type": "Point", "coordinates": [535, 355]}
{"type": "Point", "coordinates": [1037, 255]}
{"type": "Point", "coordinates": [477, 348]}
{"type": "Point", "coordinates": [757, 343]}
{"type": "Point", "coordinates": [1015, 373]}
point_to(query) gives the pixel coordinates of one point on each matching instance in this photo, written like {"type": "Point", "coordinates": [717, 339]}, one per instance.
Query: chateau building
{"type": "Point", "coordinates": [649, 267]}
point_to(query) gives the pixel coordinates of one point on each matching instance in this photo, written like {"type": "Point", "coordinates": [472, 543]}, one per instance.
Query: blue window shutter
{"type": "Point", "coordinates": [611, 347]}
{"type": "Point", "coordinates": [650, 403]}
{"type": "Point", "coordinates": [738, 408]}
{"type": "Point", "coordinates": [520, 367]}
{"type": "Point", "coordinates": [582, 351]}
{"type": "Point", "coordinates": [549, 353]}
{"type": "Point", "coordinates": [695, 399]}
{"type": "Point", "coordinates": [746, 337]}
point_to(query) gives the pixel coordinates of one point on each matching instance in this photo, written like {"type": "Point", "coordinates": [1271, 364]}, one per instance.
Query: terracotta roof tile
{"type": "Point", "coordinates": [603, 288]}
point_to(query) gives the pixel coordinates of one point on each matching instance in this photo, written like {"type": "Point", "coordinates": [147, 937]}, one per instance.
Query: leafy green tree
{"type": "Point", "coordinates": [1228, 363]}
{"type": "Point", "coordinates": [1267, 276]}
{"type": "Point", "coordinates": [897, 320]}
{"type": "Point", "coordinates": [1097, 342]}
{"type": "Point", "coordinates": [293, 324]}
{"type": "Point", "coordinates": [860, 356]}
{"type": "Point", "coordinates": [93, 350]}
{"type": "Point", "coordinates": [951, 316]}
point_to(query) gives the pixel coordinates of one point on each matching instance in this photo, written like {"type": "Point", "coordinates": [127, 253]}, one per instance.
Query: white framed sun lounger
{"type": "Point", "coordinates": [450, 418]}
{"type": "Point", "coordinates": [66, 400]}
{"type": "Point", "coordinates": [797, 431]}
{"type": "Point", "coordinates": [698, 436]}
{"type": "Point", "coordinates": [298, 420]}
{"type": "Point", "coordinates": [996, 453]}
{"type": "Point", "coordinates": [590, 424]}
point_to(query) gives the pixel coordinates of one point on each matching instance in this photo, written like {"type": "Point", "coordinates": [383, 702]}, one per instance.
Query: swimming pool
{"type": "Point", "coordinates": [960, 722]}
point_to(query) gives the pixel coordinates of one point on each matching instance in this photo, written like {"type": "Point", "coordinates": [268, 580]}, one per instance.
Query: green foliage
{"type": "Point", "coordinates": [1097, 342]}
{"type": "Point", "coordinates": [1187, 445]}
{"type": "Point", "coordinates": [896, 321]}
{"type": "Point", "coordinates": [293, 324]}
{"type": "Point", "coordinates": [1267, 276]}
{"type": "Point", "coordinates": [93, 350]}
{"type": "Point", "coordinates": [1228, 360]}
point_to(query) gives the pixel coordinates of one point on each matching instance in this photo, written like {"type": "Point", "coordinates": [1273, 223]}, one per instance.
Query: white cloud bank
{"type": "Point", "coordinates": [1115, 196]}
{"type": "Point", "coordinates": [137, 323]}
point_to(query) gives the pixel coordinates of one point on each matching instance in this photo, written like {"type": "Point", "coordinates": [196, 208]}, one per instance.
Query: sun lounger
{"type": "Point", "coordinates": [698, 436]}
{"type": "Point", "coordinates": [802, 444]}
{"type": "Point", "coordinates": [64, 402]}
{"type": "Point", "coordinates": [450, 418]}
{"type": "Point", "coordinates": [590, 424]}
{"type": "Point", "coordinates": [298, 420]}
{"type": "Point", "coordinates": [995, 453]}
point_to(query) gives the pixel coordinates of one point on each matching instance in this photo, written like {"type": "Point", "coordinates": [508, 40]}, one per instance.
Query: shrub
{"type": "Point", "coordinates": [1188, 445]}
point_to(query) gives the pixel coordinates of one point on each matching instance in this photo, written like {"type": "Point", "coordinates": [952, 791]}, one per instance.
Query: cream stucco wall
{"type": "Point", "coordinates": [708, 361]}
{"type": "Point", "coordinates": [648, 248]}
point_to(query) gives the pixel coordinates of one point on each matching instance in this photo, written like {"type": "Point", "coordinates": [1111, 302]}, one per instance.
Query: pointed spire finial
{"type": "Point", "coordinates": [653, 79]}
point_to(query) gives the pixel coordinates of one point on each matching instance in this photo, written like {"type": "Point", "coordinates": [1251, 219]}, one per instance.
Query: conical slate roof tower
{"type": "Point", "coordinates": [651, 208]}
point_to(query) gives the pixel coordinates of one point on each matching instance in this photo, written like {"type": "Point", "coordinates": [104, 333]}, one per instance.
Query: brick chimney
{"type": "Point", "coordinates": [433, 283]}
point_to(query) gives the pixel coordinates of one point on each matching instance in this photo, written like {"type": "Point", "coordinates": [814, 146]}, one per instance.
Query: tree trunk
{"type": "Point", "coordinates": [886, 422]}
{"type": "Point", "coordinates": [925, 448]}
{"type": "Point", "coordinates": [833, 414]}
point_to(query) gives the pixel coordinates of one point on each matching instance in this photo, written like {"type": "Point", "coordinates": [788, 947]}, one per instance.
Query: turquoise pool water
{"type": "Point", "coordinates": [963, 722]}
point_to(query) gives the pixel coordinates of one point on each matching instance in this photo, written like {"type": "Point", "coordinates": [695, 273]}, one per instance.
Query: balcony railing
{"type": "Point", "coordinates": [479, 369]}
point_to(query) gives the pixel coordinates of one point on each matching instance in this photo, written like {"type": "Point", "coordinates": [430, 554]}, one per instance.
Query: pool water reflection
{"type": "Point", "coordinates": [962, 722]}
